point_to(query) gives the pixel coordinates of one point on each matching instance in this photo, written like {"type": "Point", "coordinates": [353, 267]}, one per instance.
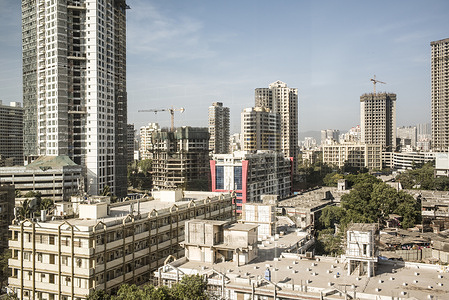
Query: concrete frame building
{"type": "Point", "coordinates": [11, 132]}
{"type": "Point", "coordinates": [55, 177]}
{"type": "Point", "coordinates": [353, 154]}
{"type": "Point", "coordinates": [260, 129]}
{"type": "Point", "coordinates": [251, 175]}
{"type": "Point", "coordinates": [283, 100]}
{"type": "Point", "coordinates": [74, 86]}
{"type": "Point", "coordinates": [104, 247]}
{"type": "Point", "coordinates": [262, 215]}
{"type": "Point", "coordinates": [378, 120]}
{"type": "Point", "coordinates": [406, 160]}
{"type": "Point", "coordinates": [219, 128]}
{"type": "Point", "coordinates": [361, 250]}
{"type": "Point", "coordinates": [440, 94]}
{"type": "Point", "coordinates": [181, 158]}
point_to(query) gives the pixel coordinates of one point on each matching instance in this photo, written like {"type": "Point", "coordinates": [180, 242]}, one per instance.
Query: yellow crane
{"type": "Point", "coordinates": [171, 110]}
{"type": "Point", "coordinates": [376, 81]}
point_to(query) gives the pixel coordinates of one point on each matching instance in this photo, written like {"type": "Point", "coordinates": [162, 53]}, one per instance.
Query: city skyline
{"type": "Point", "coordinates": [192, 54]}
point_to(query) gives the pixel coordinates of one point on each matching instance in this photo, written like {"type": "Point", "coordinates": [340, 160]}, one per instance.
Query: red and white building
{"type": "Point", "coordinates": [251, 175]}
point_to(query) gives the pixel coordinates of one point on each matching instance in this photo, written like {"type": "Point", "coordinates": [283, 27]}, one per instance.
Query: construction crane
{"type": "Point", "coordinates": [376, 81]}
{"type": "Point", "coordinates": [171, 110]}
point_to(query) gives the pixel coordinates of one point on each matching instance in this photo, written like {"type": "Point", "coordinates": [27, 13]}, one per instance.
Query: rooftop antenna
{"type": "Point", "coordinates": [376, 81]}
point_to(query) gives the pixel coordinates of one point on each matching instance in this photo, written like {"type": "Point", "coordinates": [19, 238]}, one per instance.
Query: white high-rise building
{"type": "Point", "coordinates": [440, 95]}
{"type": "Point", "coordinates": [74, 86]}
{"type": "Point", "coordinates": [260, 129]}
{"type": "Point", "coordinates": [219, 128]}
{"type": "Point", "coordinates": [283, 100]}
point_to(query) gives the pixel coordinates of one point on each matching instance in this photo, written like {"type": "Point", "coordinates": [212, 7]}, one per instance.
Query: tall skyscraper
{"type": "Point", "coordinates": [440, 95]}
{"type": "Point", "coordinates": [283, 100]}
{"type": "Point", "coordinates": [260, 129]}
{"type": "Point", "coordinates": [11, 133]}
{"type": "Point", "coordinates": [219, 128]}
{"type": "Point", "coordinates": [378, 120]}
{"type": "Point", "coordinates": [74, 86]}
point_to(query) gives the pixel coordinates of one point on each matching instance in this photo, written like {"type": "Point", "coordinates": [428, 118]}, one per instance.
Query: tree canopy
{"type": "Point", "coordinates": [190, 287]}
{"type": "Point", "coordinates": [371, 201]}
{"type": "Point", "coordinates": [422, 177]}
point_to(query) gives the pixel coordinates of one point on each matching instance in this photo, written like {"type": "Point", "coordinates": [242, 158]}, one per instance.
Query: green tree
{"type": "Point", "coordinates": [47, 204]}
{"type": "Point", "coordinates": [331, 215]}
{"type": "Point", "coordinates": [99, 295]}
{"type": "Point", "coordinates": [25, 210]}
{"type": "Point", "coordinates": [331, 179]}
{"type": "Point", "coordinates": [329, 243]}
{"type": "Point", "coordinates": [4, 270]}
{"type": "Point", "coordinates": [190, 287]}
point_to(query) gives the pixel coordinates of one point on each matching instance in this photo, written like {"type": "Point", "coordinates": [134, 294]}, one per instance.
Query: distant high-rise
{"type": "Point", "coordinates": [260, 129]}
{"type": "Point", "coordinates": [330, 134]}
{"type": "Point", "coordinates": [282, 100]}
{"type": "Point", "coordinates": [219, 128]}
{"type": "Point", "coordinates": [11, 133]}
{"type": "Point", "coordinates": [74, 86]}
{"type": "Point", "coordinates": [440, 94]}
{"type": "Point", "coordinates": [378, 120]}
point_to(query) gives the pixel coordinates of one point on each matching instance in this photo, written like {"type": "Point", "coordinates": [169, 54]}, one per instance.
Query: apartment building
{"type": "Point", "coordinates": [406, 160]}
{"type": "Point", "coordinates": [354, 155]}
{"type": "Point", "coordinates": [74, 86]}
{"type": "Point", "coordinates": [251, 175]}
{"type": "Point", "coordinates": [181, 158]}
{"type": "Point", "coordinates": [283, 100]}
{"type": "Point", "coordinates": [361, 249]}
{"type": "Point", "coordinates": [146, 140]}
{"type": "Point", "coordinates": [105, 246]}
{"type": "Point", "coordinates": [260, 129]}
{"type": "Point", "coordinates": [219, 128]}
{"type": "Point", "coordinates": [439, 95]}
{"type": "Point", "coordinates": [11, 133]}
{"type": "Point", "coordinates": [55, 177]}
{"type": "Point", "coordinates": [378, 120]}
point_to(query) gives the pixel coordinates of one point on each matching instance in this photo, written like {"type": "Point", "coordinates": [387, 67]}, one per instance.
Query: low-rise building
{"type": "Point", "coordinates": [262, 215]}
{"type": "Point", "coordinates": [251, 175]}
{"type": "Point", "coordinates": [354, 155]}
{"type": "Point", "coordinates": [305, 209]}
{"type": "Point", "coordinates": [281, 272]}
{"type": "Point", "coordinates": [361, 249]}
{"type": "Point", "coordinates": [406, 160]}
{"type": "Point", "coordinates": [55, 177]}
{"type": "Point", "coordinates": [105, 246]}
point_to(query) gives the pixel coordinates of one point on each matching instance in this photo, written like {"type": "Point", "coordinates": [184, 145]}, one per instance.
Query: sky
{"type": "Point", "coordinates": [192, 53]}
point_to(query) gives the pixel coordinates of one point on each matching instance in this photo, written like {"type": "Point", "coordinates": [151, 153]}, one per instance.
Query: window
{"type": "Point", "coordinates": [219, 178]}
{"type": "Point", "coordinates": [237, 178]}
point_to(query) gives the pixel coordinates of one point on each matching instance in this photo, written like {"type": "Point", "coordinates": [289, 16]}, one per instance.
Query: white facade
{"type": "Point", "coordinates": [353, 154]}
{"type": "Point", "coordinates": [439, 94]}
{"type": "Point", "coordinates": [146, 144]}
{"type": "Point", "coordinates": [283, 100]}
{"type": "Point", "coordinates": [75, 99]}
{"type": "Point", "coordinates": [260, 129]}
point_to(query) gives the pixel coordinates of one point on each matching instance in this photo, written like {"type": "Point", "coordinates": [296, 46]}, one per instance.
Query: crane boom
{"type": "Point", "coordinates": [171, 110]}
{"type": "Point", "coordinates": [376, 81]}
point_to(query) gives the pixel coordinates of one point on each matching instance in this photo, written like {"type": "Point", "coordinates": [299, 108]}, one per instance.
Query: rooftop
{"type": "Point", "coordinates": [119, 211]}
{"type": "Point", "coordinates": [392, 279]}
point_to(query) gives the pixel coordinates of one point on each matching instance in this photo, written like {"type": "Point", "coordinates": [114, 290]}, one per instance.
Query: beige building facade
{"type": "Point", "coordinates": [105, 246]}
{"type": "Point", "coordinates": [354, 155]}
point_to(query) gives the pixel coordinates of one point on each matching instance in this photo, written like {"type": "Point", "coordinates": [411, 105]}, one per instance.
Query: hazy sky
{"type": "Point", "coordinates": [192, 53]}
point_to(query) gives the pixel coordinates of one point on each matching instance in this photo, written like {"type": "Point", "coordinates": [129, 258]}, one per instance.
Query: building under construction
{"type": "Point", "coordinates": [181, 158]}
